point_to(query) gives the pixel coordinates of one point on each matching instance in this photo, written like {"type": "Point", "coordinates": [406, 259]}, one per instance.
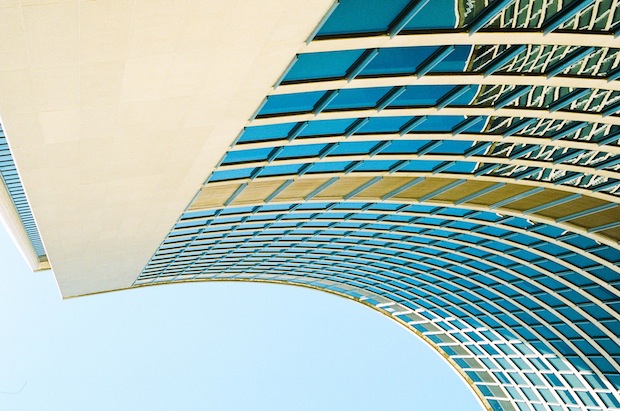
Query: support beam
{"type": "Point", "coordinates": [434, 59]}
{"type": "Point", "coordinates": [451, 79]}
{"type": "Point", "coordinates": [498, 62]}
{"type": "Point", "coordinates": [469, 111]}
{"type": "Point", "coordinates": [413, 8]}
{"type": "Point", "coordinates": [460, 37]}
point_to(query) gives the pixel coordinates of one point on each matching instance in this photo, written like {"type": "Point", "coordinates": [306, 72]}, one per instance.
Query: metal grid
{"type": "Point", "coordinates": [448, 262]}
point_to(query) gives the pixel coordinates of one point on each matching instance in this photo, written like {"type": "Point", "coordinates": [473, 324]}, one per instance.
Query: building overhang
{"type": "Point", "coordinates": [114, 110]}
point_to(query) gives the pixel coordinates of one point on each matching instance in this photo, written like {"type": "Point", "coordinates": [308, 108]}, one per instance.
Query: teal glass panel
{"type": "Point", "coordinates": [327, 65]}
{"type": "Point", "coordinates": [361, 98]}
{"type": "Point", "coordinates": [290, 103]}
{"type": "Point", "coordinates": [361, 16]}
{"type": "Point", "coordinates": [397, 61]}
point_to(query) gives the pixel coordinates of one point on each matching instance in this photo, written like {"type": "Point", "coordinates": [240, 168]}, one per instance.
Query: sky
{"type": "Point", "coordinates": [208, 346]}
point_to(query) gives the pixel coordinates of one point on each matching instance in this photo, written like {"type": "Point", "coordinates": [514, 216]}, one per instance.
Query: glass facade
{"type": "Point", "coordinates": [467, 190]}
{"type": "Point", "coordinates": [451, 164]}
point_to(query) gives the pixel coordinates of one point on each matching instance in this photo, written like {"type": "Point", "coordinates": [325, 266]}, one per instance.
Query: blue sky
{"type": "Point", "coordinates": [211, 346]}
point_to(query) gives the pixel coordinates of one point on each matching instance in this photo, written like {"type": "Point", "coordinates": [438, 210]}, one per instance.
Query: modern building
{"type": "Point", "coordinates": [452, 164]}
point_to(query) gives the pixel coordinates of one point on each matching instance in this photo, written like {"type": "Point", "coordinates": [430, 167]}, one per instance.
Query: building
{"type": "Point", "coordinates": [451, 164]}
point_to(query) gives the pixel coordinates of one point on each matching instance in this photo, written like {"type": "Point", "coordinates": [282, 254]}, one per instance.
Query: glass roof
{"type": "Point", "coordinates": [461, 183]}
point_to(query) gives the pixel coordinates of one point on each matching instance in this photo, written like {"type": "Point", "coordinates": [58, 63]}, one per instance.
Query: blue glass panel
{"type": "Point", "coordinates": [326, 127]}
{"type": "Point", "coordinates": [487, 216]}
{"type": "Point", "coordinates": [357, 98]}
{"type": "Point", "coordinates": [551, 266]}
{"type": "Point", "coordinates": [439, 123]}
{"type": "Point", "coordinates": [605, 274]}
{"type": "Point", "coordinates": [291, 103]}
{"type": "Point", "coordinates": [397, 60]}
{"type": "Point", "coordinates": [300, 151]}
{"type": "Point", "coordinates": [601, 363]}
{"type": "Point", "coordinates": [362, 16]}
{"type": "Point", "coordinates": [523, 239]}
{"type": "Point", "coordinates": [198, 214]}
{"type": "Point", "coordinates": [329, 167]}
{"type": "Point", "coordinates": [581, 242]}
{"type": "Point", "coordinates": [461, 167]}
{"type": "Point", "coordinates": [607, 253]}
{"type": "Point", "coordinates": [550, 248]}
{"type": "Point", "coordinates": [499, 246]}
{"type": "Point", "coordinates": [266, 133]}
{"type": "Point", "coordinates": [550, 300]}
{"type": "Point", "coordinates": [437, 14]}
{"type": "Point", "coordinates": [461, 225]}
{"type": "Point", "coordinates": [609, 346]}
{"type": "Point", "coordinates": [577, 279]}
{"type": "Point", "coordinates": [383, 124]}
{"type": "Point", "coordinates": [312, 66]}
{"type": "Point", "coordinates": [579, 260]}
{"type": "Point", "coordinates": [244, 156]}
{"type": "Point", "coordinates": [231, 174]}
{"type": "Point", "coordinates": [455, 61]}
{"type": "Point", "coordinates": [280, 170]}
{"type": "Point", "coordinates": [404, 147]}
{"type": "Point", "coordinates": [376, 165]}
{"type": "Point", "coordinates": [421, 165]}
{"type": "Point", "coordinates": [602, 294]}
{"type": "Point", "coordinates": [573, 296]}
{"type": "Point", "coordinates": [517, 222]}
{"type": "Point", "coordinates": [353, 148]}
{"type": "Point", "coordinates": [596, 311]}
{"type": "Point", "coordinates": [452, 147]}
{"type": "Point", "coordinates": [609, 400]}
{"type": "Point", "coordinates": [572, 315]}
{"type": "Point", "coordinates": [421, 95]}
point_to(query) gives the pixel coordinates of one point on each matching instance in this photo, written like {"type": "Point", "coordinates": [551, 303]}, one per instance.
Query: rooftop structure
{"type": "Point", "coordinates": [451, 164]}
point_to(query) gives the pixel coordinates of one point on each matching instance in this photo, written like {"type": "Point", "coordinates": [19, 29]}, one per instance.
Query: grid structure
{"type": "Point", "coordinates": [456, 171]}
{"type": "Point", "coordinates": [13, 184]}
{"type": "Point", "coordinates": [453, 164]}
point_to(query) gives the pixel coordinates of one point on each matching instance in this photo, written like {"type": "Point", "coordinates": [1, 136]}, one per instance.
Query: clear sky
{"type": "Point", "coordinates": [208, 346]}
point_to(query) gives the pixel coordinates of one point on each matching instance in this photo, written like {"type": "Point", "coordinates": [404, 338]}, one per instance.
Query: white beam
{"type": "Point", "coordinates": [510, 37]}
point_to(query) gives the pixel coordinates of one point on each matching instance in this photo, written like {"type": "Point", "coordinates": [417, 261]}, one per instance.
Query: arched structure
{"type": "Point", "coordinates": [453, 164]}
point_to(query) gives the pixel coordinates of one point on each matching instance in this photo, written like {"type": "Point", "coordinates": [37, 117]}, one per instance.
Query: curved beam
{"type": "Point", "coordinates": [456, 79]}
{"type": "Point", "coordinates": [430, 157]}
{"type": "Point", "coordinates": [428, 111]}
{"type": "Point", "coordinates": [422, 136]}
{"type": "Point", "coordinates": [517, 37]}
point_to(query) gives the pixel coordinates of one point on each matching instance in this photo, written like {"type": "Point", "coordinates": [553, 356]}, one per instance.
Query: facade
{"type": "Point", "coordinates": [451, 164]}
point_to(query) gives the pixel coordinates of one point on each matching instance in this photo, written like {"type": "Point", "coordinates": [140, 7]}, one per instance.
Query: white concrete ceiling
{"type": "Point", "coordinates": [117, 110]}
